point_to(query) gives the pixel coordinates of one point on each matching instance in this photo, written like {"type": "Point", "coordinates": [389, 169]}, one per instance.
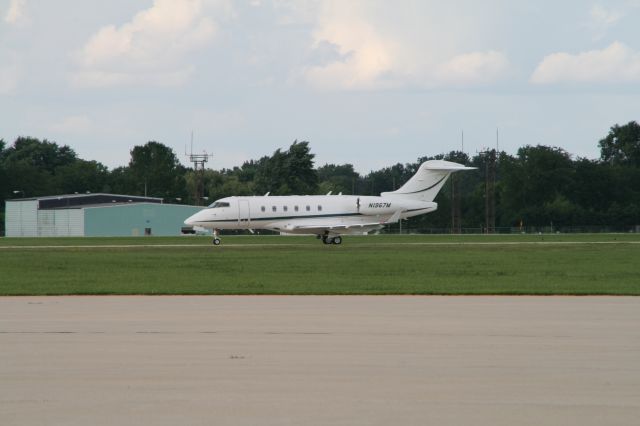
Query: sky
{"type": "Point", "coordinates": [371, 83]}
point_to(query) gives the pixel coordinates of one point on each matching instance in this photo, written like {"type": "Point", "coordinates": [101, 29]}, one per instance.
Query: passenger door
{"type": "Point", "coordinates": [244, 215]}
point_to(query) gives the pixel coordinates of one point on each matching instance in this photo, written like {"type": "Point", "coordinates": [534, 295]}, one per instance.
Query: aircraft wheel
{"type": "Point", "coordinates": [326, 240]}
{"type": "Point", "coordinates": [216, 241]}
{"type": "Point", "coordinates": [336, 240]}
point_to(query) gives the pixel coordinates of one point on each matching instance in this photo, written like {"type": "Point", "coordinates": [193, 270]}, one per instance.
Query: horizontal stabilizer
{"type": "Point", "coordinates": [445, 165]}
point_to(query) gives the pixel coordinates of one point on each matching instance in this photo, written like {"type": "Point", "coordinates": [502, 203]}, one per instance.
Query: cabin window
{"type": "Point", "coordinates": [263, 208]}
{"type": "Point", "coordinates": [319, 208]}
{"type": "Point", "coordinates": [218, 204]}
{"type": "Point", "coordinates": [285, 208]}
{"type": "Point", "coordinates": [273, 208]}
{"type": "Point", "coordinates": [308, 208]}
{"type": "Point", "coordinates": [295, 208]}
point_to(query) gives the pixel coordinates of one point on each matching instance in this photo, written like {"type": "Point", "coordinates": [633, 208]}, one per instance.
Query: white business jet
{"type": "Point", "coordinates": [329, 217]}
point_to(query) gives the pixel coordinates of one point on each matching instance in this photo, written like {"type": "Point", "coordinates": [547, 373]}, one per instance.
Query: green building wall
{"type": "Point", "coordinates": [133, 219]}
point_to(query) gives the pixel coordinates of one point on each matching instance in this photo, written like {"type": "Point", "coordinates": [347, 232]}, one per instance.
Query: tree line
{"type": "Point", "coordinates": [538, 186]}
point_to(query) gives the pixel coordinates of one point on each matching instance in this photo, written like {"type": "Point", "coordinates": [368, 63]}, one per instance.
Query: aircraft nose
{"type": "Point", "coordinates": [191, 220]}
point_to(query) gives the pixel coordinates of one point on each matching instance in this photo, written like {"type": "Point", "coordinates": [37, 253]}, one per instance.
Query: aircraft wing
{"type": "Point", "coordinates": [320, 227]}
{"type": "Point", "coordinates": [391, 219]}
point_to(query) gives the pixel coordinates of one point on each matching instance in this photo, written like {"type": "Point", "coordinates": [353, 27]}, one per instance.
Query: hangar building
{"type": "Point", "coordinates": [94, 215]}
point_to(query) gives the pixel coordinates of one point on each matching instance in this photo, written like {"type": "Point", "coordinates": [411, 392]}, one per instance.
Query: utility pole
{"type": "Point", "coordinates": [490, 190]}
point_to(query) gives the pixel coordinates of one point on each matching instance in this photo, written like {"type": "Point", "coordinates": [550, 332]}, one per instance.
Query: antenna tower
{"type": "Point", "coordinates": [198, 161]}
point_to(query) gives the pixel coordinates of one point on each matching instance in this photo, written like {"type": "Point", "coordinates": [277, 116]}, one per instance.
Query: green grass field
{"type": "Point", "coordinates": [386, 264]}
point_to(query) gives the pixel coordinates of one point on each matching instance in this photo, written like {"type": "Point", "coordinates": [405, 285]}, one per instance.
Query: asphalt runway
{"type": "Point", "coordinates": [289, 360]}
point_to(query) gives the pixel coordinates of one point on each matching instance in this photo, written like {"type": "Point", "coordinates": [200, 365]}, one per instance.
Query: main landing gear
{"type": "Point", "coordinates": [332, 240]}
{"type": "Point", "coordinates": [216, 240]}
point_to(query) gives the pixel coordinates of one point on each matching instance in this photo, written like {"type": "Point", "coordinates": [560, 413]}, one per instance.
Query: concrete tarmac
{"type": "Point", "coordinates": [288, 360]}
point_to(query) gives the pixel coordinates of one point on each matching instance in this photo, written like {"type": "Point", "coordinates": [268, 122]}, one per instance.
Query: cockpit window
{"type": "Point", "coordinates": [218, 204]}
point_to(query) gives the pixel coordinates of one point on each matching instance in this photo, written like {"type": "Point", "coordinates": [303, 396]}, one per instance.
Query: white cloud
{"type": "Point", "coordinates": [372, 54]}
{"type": "Point", "coordinates": [473, 68]}
{"type": "Point", "coordinates": [15, 12]}
{"type": "Point", "coordinates": [364, 56]}
{"type": "Point", "coordinates": [604, 17]}
{"type": "Point", "coordinates": [149, 48]}
{"type": "Point", "coordinates": [616, 63]}
{"type": "Point", "coordinates": [601, 19]}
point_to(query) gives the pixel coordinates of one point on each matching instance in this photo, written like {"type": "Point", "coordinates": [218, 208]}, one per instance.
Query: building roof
{"type": "Point", "coordinates": [109, 205]}
{"type": "Point", "coordinates": [83, 200]}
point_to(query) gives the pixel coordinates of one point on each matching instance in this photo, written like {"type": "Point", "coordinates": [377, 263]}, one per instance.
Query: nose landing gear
{"type": "Point", "coordinates": [216, 241]}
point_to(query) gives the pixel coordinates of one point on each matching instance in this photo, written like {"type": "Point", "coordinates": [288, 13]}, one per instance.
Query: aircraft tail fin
{"type": "Point", "coordinates": [428, 180]}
